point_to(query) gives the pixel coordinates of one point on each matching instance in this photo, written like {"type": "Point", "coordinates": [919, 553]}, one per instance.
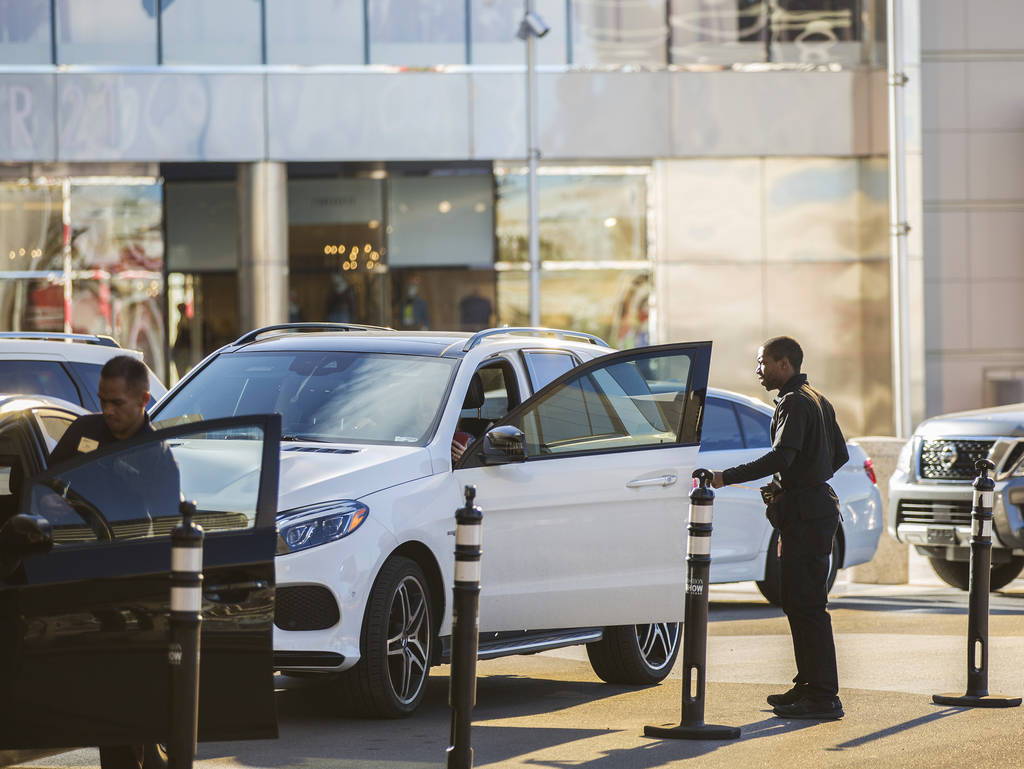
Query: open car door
{"type": "Point", "coordinates": [84, 627]}
{"type": "Point", "coordinates": [584, 488]}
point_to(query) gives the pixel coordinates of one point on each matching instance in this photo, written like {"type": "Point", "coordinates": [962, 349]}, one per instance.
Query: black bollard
{"type": "Point", "coordinates": [977, 695]}
{"type": "Point", "coordinates": [465, 630]}
{"type": "Point", "coordinates": [183, 654]}
{"type": "Point", "coordinates": [695, 623]}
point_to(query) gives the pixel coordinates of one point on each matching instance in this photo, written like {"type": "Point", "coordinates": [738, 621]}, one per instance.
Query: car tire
{"type": "Point", "coordinates": [771, 585]}
{"type": "Point", "coordinates": [149, 756]}
{"type": "Point", "coordinates": [958, 573]}
{"type": "Point", "coordinates": [636, 654]}
{"type": "Point", "coordinates": [397, 643]}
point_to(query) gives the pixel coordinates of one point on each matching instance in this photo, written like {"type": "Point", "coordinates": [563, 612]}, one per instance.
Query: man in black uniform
{"type": "Point", "coordinates": [807, 448]}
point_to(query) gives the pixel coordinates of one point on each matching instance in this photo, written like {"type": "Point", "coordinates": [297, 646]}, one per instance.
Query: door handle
{"type": "Point", "coordinates": [234, 591]}
{"type": "Point", "coordinates": [661, 480]}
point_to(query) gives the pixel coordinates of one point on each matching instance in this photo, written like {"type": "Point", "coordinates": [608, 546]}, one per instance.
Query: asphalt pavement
{"type": "Point", "coordinates": [896, 645]}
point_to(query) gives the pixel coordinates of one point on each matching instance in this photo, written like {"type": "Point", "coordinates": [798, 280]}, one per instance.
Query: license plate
{"type": "Point", "coordinates": [941, 536]}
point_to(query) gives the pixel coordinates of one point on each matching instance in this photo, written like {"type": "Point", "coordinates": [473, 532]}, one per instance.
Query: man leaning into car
{"type": "Point", "coordinates": [807, 448]}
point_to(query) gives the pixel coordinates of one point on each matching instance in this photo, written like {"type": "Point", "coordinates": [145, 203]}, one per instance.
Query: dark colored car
{"type": "Point", "coordinates": [84, 579]}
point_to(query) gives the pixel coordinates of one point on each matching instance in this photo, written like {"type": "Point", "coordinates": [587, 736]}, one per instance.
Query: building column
{"type": "Point", "coordinates": [263, 244]}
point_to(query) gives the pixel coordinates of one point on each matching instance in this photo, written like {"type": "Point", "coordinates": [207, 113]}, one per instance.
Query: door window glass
{"type": "Point", "coordinates": [37, 377]}
{"type": "Point", "coordinates": [54, 426]}
{"type": "Point", "coordinates": [721, 430]}
{"type": "Point", "coordinates": [626, 403]}
{"type": "Point", "coordinates": [134, 493]}
{"type": "Point", "coordinates": [756, 427]}
{"type": "Point", "coordinates": [546, 367]}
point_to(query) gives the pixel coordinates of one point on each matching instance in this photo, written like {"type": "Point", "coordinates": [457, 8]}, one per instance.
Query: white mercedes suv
{"type": "Point", "coordinates": [582, 459]}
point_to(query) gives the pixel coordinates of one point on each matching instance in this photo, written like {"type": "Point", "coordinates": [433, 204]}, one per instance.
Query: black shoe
{"type": "Point", "coordinates": [787, 698]}
{"type": "Point", "coordinates": [827, 709]}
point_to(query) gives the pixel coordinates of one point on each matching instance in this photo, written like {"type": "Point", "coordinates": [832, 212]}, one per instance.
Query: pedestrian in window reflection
{"type": "Point", "coordinates": [807, 448]}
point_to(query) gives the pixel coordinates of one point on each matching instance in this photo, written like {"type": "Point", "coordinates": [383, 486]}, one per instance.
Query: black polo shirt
{"type": "Point", "coordinates": [805, 421]}
{"type": "Point", "coordinates": [88, 433]}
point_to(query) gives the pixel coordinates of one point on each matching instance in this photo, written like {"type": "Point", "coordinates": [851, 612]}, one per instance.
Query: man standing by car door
{"type": "Point", "coordinates": [807, 448]}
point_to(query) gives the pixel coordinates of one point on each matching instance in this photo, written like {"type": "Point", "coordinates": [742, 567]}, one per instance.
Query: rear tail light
{"type": "Point", "coordinates": [869, 468]}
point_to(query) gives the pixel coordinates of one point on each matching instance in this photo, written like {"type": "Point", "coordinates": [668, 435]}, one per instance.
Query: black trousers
{"type": "Point", "coordinates": [806, 545]}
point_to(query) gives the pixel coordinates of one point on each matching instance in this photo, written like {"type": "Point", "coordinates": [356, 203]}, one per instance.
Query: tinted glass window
{"type": "Point", "coordinates": [201, 32]}
{"type": "Point", "coordinates": [90, 374]}
{"type": "Point", "coordinates": [756, 427]}
{"type": "Point", "coordinates": [314, 32]}
{"type": "Point", "coordinates": [627, 403]}
{"type": "Point", "coordinates": [134, 493]}
{"type": "Point", "coordinates": [54, 426]}
{"type": "Point", "coordinates": [432, 32]}
{"type": "Point", "coordinates": [323, 396]}
{"type": "Point", "coordinates": [37, 377]}
{"type": "Point", "coordinates": [546, 367]}
{"type": "Point", "coordinates": [25, 32]}
{"type": "Point", "coordinates": [106, 32]}
{"type": "Point", "coordinates": [721, 430]}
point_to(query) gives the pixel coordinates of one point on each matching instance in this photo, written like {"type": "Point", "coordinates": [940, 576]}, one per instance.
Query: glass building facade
{"type": "Point", "coordinates": [669, 206]}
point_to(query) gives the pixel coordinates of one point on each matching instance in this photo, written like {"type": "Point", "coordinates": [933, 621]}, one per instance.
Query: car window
{"type": "Point", "coordinates": [545, 367]}
{"type": "Point", "coordinates": [500, 393]}
{"type": "Point", "coordinates": [13, 468]}
{"type": "Point", "coordinates": [756, 427]}
{"type": "Point", "coordinates": [322, 396]}
{"type": "Point", "coordinates": [134, 493]}
{"type": "Point", "coordinates": [90, 374]}
{"type": "Point", "coordinates": [721, 429]}
{"type": "Point", "coordinates": [628, 403]}
{"type": "Point", "coordinates": [37, 377]}
{"type": "Point", "coordinates": [54, 425]}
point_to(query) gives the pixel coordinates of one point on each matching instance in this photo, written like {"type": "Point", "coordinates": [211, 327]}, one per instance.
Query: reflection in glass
{"type": "Point", "coordinates": [619, 32]}
{"type": "Point", "coordinates": [717, 31]}
{"type": "Point", "coordinates": [201, 32]}
{"type": "Point", "coordinates": [106, 32]}
{"type": "Point", "coordinates": [494, 24]}
{"type": "Point", "coordinates": [30, 241]}
{"type": "Point", "coordinates": [25, 32]}
{"type": "Point", "coordinates": [611, 304]}
{"type": "Point", "coordinates": [815, 31]}
{"type": "Point", "coordinates": [584, 218]}
{"type": "Point", "coordinates": [422, 34]}
{"type": "Point", "coordinates": [334, 397]}
{"type": "Point", "coordinates": [118, 258]}
{"type": "Point", "coordinates": [202, 314]}
{"type": "Point", "coordinates": [314, 32]}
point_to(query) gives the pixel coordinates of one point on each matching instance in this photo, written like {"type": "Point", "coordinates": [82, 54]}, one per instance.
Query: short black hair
{"type": "Point", "coordinates": [132, 370]}
{"type": "Point", "coordinates": [779, 347]}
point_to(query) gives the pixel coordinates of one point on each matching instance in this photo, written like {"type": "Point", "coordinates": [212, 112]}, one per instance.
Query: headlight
{"type": "Point", "coordinates": [312, 525]}
{"type": "Point", "coordinates": [903, 460]}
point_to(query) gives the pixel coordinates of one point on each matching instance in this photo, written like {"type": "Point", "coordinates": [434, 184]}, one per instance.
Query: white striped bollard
{"type": "Point", "coordinates": [465, 630]}
{"type": "Point", "coordinates": [695, 623]}
{"type": "Point", "coordinates": [977, 695]}
{"type": "Point", "coordinates": [183, 653]}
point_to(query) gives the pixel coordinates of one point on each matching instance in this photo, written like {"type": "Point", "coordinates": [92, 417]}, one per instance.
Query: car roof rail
{"type": "Point", "coordinates": [56, 336]}
{"type": "Point", "coordinates": [253, 335]}
{"type": "Point", "coordinates": [558, 333]}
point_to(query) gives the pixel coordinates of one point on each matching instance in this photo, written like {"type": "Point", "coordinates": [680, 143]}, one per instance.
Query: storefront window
{"type": "Point", "coordinates": [336, 254]}
{"type": "Point", "coordinates": [30, 242]}
{"type": "Point", "coordinates": [314, 32]}
{"type": "Point", "coordinates": [593, 246]}
{"type": "Point", "coordinates": [423, 34]}
{"type": "Point", "coordinates": [619, 32]}
{"type": "Point", "coordinates": [117, 251]}
{"type": "Point", "coordinates": [201, 32]}
{"type": "Point", "coordinates": [106, 32]}
{"type": "Point", "coordinates": [718, 31]}
{"type": "Point", "coordinates": [25, 32]}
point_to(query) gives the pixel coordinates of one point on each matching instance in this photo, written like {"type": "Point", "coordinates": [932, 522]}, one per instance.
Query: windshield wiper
{"type": "Point", "coordinates": [304, 439]}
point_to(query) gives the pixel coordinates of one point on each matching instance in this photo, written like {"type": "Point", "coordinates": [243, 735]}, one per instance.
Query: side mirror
{"type": "Point", "coordinates": [502, 445]}
{"type": "Point", "coordinates": [21, 536]}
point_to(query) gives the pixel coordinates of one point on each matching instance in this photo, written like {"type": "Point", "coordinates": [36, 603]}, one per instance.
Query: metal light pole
{"type": "Point", "coordinates": [531, 27]}
{"type": "Point", "coordinates": [898, 227]}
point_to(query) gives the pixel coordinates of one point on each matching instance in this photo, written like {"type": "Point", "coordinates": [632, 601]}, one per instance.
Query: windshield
{"type": "Point", "coordinates": [336, 397]}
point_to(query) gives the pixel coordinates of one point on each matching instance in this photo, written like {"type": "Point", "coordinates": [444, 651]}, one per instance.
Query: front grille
{"type": "Point", "coordinates": [305, 607]}
{"type": "Point", "coordinates": [928, 512]}
{"type": "Point", "coordinates": [952, 459]}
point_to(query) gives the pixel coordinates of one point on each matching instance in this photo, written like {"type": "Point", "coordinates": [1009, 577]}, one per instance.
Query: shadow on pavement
{"type": "Point", "coordinates": [889, 731]}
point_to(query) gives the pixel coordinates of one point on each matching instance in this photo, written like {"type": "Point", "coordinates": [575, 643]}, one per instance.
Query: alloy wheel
{"type": "Point", "coordinates": [657, 643]}
{"type": "Point", "coordinates": [408, 643]}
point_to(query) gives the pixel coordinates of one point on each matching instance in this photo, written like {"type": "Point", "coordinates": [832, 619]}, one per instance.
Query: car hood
{"type": "Point", "coordinates": [317, 472]}
{"type": "Point", "coordinates": [998, 421]}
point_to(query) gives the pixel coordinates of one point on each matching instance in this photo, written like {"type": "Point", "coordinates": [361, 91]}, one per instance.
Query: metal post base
{"type": "Point", "coordinates": [974, 701]}
{"type": "Point", "coordinates": [693, 732]}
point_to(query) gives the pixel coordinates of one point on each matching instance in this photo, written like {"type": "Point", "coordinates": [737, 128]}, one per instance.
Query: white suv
{"type": "Point", "coordinates": [65, 366]}
{"type": "Point", "coordinates": [582, 459]}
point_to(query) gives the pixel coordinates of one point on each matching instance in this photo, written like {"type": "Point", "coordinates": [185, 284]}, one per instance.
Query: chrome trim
{"type": "Point", "coordinates": [558, 333]}
{"type": "Point", "coordinates": [523, 647]}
